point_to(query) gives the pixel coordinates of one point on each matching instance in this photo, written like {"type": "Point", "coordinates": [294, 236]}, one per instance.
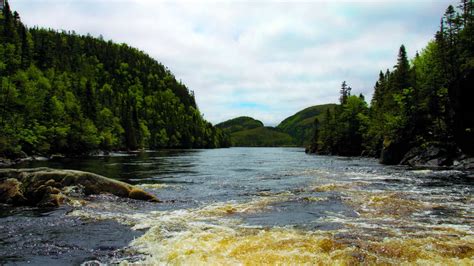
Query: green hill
{"type": "Point", "coordinates": [261, 137]}
{"type": "Point", "coordinates": [248, 132]}
{"type": "Point", "coordinates": [71, 94]}
{"type": "Point", "coordinates": [239, 124]}
{"type": "Point", "coordinates": [300, 125]}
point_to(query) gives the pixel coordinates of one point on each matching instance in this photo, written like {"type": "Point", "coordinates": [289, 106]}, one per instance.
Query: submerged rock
{"type": "Point", "coordinates": [51, 187]}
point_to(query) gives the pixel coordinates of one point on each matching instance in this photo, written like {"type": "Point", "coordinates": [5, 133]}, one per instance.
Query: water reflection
{"type": "Point", "coordinates": [128, 167]}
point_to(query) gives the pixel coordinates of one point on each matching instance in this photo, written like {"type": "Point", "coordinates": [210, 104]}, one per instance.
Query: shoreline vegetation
{"type": "Point", "coordinates": [421, 112]}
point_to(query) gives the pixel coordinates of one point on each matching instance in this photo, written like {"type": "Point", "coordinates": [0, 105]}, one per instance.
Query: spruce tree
{"type": "Point", "coordinates": [402, 71]}
{"type": "Point", "coordinates": [345, 92]}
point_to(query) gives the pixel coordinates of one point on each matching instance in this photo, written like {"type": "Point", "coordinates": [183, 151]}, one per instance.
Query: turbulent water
{"type": "Point", "coordinates": [253, 206]}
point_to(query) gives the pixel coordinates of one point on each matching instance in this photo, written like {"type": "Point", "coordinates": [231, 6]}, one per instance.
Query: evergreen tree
{"type": "Point", "coordinates": [401, 75]}
{"type": "Point", "coordinates": [345, 92]}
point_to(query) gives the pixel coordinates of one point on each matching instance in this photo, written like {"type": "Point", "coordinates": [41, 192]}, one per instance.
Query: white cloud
{"type": "Point", "coordinates": [266, 59]}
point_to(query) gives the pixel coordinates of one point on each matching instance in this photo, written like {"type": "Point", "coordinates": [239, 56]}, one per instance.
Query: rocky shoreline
{"type": "Point", "coordinates": [4, 162]}
{"type": "Point", "coordinates": [437, 156]}
{"type": "Point", "coordinates": [23, 157]}
{"type": "Point", "coordinates": [430, 156]}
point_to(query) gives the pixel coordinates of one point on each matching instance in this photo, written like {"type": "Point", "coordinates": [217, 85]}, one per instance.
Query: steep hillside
{"type": "Point", "coordinates": [71, 94]}
{"type": "Point", "coordinates": [239, 124]}
{"type": "Point", "coordinates": [300, 125]}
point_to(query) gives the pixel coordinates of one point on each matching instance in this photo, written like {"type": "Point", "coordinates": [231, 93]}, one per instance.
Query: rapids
{"type": "Point", "coordinates": [250, 206]}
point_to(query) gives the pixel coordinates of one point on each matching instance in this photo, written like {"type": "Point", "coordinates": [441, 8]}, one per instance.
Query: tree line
{"type": "Point", "coordinates": [421, 102]}
{"type": "Point", "coordinates": [70, 94]}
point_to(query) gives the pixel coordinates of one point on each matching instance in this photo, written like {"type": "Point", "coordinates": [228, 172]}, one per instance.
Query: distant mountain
{"type": "Point", "coordinates": [300, 125]}
{"type": "Point", "coordinates": [248, 132]}
{"type": "Point", "coordinates": [295, 130]}
{"type": "Point", "coordinates": [261, 137]}
{"type": "Point", "coordinates": [239, 124]}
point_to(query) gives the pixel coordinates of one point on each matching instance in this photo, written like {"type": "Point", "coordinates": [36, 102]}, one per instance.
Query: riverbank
{"type": "Point", "coordinates": [428, 157]}
{"type": "Point", "coordinates": [5, 162]}
{"type": "Point", "coordinates": [435, 156]}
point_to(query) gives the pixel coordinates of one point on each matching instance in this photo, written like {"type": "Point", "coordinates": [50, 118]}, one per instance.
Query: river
{"type": "Point", "coordinates": [251, 206]}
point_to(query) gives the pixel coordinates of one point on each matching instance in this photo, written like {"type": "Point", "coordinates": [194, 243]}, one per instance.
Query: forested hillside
{"type": "Point", "coordinates": [261, 137]}
{"type": "Point", "coordinates": [245, 131]}
{"type": "Point", "coordinates": [422, 106]}
{"type": "Point", "coordinates": [239, 124]}
{"type": "Point", "coordinates": [301, 125]}
{"type": "Point", "coordinates": [65, 93]}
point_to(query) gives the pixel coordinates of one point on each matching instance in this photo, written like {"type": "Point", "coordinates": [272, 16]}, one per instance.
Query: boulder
{"type": "Point", "coordinates": [10, 190]}
{"type": "Point", "coordinates": [392, 152]}
{"type": "Point", "coordinates": [428, 156]}
{"type": "Point", "coordinates": [311, 149]}
{"type": "Point", "coordinates": [52, 187]}
{"type": "Point", "coordinates": [4, 162]}
{"type": "Point", "coordinates": [465, 164]}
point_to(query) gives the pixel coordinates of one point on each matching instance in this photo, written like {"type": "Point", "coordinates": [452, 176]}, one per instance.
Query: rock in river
{"type": "Point", "coordinates": [428, 156]}
{"type": "Point", "coordinates": [52, 187]}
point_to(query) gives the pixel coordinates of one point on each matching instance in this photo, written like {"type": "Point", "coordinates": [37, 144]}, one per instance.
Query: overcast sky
{"type": "Point", "coordinates": [265, 59]}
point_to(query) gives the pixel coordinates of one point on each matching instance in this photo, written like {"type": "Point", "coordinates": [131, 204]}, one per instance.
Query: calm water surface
{"type": "Point", "coordinates": [252, 206]}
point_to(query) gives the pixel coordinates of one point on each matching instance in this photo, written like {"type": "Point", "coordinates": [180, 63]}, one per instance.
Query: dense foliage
{"type": "Point", "coordinates": [340, 130]}
{"type": "Point", "coordinates": [65, 93]}
{"type": "Point", "coordinates": [423, 102]}
{"type": "Point", "coordinates": [300, 125]}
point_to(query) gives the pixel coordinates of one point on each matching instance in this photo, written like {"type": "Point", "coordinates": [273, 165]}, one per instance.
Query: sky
{"type": "Point", "coordinates": [264, 59]}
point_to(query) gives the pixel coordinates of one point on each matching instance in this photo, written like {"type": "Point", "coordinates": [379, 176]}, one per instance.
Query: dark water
{"type": "Point", "coordinates": [50, 237]}
{"type": "Point", "coordinates": [219, 203]}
